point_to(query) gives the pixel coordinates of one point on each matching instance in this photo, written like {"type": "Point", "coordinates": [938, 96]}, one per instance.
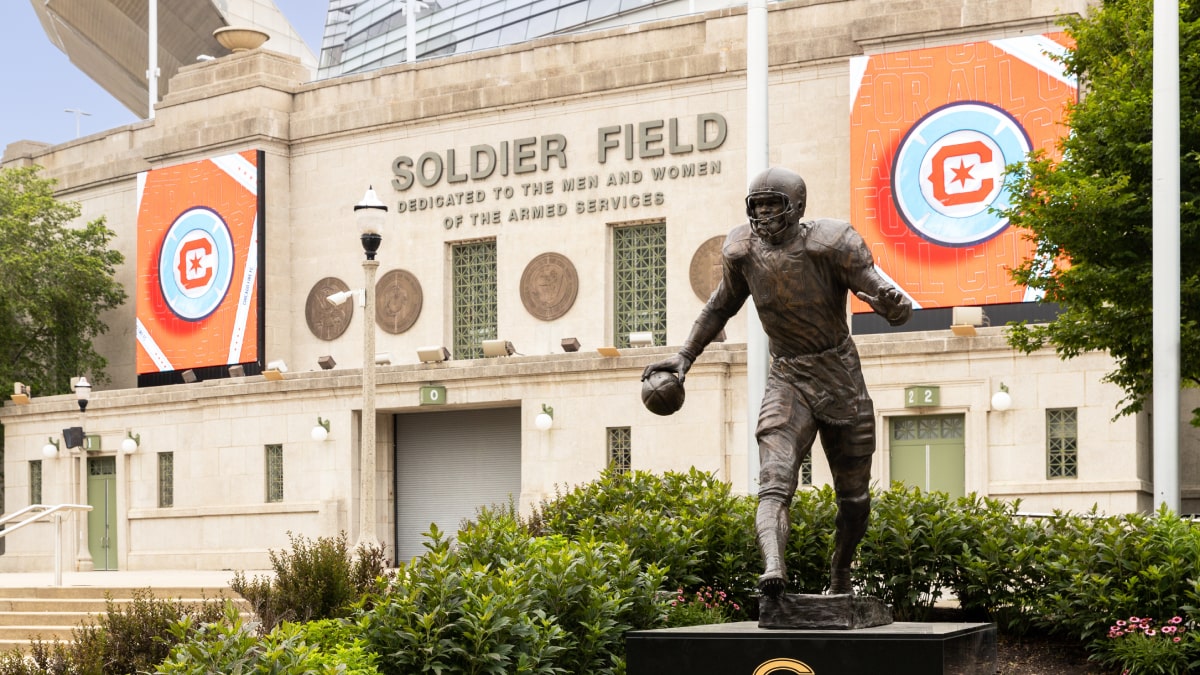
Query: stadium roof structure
{"type": "Point", "coordinates": [108, 39]}
{"type": "Point", "coordinates": [364, 35]}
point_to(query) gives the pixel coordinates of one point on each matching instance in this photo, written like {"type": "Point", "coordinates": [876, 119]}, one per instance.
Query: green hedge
{"type": "Point", "coordinates": [503, 601]}
{"type": "Point", "coordinates": [555, 593]}
{"type": "Point", "coordinates": [1070, 575]}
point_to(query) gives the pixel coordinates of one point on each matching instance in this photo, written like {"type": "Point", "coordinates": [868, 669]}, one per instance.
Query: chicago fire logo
{"type": "Point", "coordinates": [948, 176]}
{"type": "Point", "coordinates": [195, 264]}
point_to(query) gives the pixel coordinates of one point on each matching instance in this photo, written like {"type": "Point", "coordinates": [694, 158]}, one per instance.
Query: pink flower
{"type": "Point", "coordinates": [1134, 619]}
{"type": "Point", "coordinates": [1168, 629]}
{"type": "Point", "coordinates": [1176, 620]}
{"type": "Point", "coordinates": [1151, 632]}
{"type": "Point", "coordinates": [1176, 639]}
{"type": "Point", "coordinates": [1120, 622]}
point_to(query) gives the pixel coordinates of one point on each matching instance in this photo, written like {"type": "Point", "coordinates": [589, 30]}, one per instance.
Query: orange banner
{"type": "Point", "coordinates": [931, 131]}
{"type": "Point", "coordinates": [198, 264]}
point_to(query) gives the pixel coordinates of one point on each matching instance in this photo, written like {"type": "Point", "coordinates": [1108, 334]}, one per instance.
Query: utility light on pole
{"type": "Point", "coordinates": [78, 113]}
{"type": "Point", "coordinates": [370, 214]}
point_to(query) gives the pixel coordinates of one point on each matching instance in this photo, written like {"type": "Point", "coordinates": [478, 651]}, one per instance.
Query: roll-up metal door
{"type": "Point", "coordinates": [448, 464]}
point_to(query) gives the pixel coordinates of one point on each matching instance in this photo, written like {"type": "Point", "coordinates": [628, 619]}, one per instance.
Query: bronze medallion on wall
{"type": "Point", "coordinates": [325, 319]}
{"type": "Point", "coordinates": [549, 286]}
{"type": "Point", "coordinates": [398, 300]}
{"type": "Point", "coordinates": [705, 271]}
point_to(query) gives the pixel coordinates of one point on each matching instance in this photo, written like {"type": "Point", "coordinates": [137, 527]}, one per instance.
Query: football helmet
{"type": "Point", "coordinates": [774, 202]}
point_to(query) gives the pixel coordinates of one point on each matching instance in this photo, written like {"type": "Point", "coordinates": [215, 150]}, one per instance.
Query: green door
{"type": "Point", "coordinates": [929, 452]}
{"type": "Point", "coordinates": [102, 519]}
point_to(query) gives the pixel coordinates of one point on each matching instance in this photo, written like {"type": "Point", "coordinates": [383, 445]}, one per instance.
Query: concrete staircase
{"type": "Point", "coordinates": [50, 613]}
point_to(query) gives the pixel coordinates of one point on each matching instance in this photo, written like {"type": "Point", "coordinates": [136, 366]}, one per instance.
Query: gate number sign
{"type": "Point", "coordinates": [431, 395]}
{"type": "Point", "coordinates": [922, 396]}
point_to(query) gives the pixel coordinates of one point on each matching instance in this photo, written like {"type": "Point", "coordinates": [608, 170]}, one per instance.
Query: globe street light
{"type": "Point", "coordinates": [369, 214]}
{"type": "Point", "coordinates": [83, 391]}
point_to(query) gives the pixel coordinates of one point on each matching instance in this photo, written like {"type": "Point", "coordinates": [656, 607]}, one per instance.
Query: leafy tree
{"type": "Point", "coordinates": [56, 281]}
{"type": "Point", "coordinates": [1092, 207]}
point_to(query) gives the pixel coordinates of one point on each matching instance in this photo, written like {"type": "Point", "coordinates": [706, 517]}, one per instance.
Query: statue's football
{"type": "Point", "coordinates": [662, 392]}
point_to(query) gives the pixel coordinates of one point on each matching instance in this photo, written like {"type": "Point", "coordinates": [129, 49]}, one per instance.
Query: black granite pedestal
{"type": "Point", "coordinates": [745, 649]}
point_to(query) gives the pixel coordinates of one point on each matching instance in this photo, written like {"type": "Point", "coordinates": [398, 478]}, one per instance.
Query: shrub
{"type": "Point", "coordinates": [45, 658]}
{"type": "Point", "coordinates": [909, 554]}
{"type": "Point", "coordinates": [1000, 573]}
{"type": "Point", "coordinates": [231, 646]}
{"type": "Point", "coordinates": [441, 615]}
{"type": "Point", "coordinates": [690, 524]}
{"type": "Point", "coordinates": [126, 639]}
{"type": "Point", "coordinates": [505, 601]}
{"type": "Point", "coordinates": [317, 579]}
{"type": "Point", "coordinates": [1097, 568]}
{"type": "Point", "coordinates": [810, 540]}
{"type": "Point", "coordinates": [339, 643]}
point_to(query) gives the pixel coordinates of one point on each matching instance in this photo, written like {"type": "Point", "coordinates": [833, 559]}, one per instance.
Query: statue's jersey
{"type": "Point", "coordinates": [799, 287]}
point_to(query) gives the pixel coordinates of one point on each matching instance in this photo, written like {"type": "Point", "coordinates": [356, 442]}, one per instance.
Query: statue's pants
{"type": "Point", "coordinates": [786, 432]}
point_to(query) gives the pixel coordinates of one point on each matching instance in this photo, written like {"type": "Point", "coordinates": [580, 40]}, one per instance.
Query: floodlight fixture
{"type": "Point", "coordinates": [433, 354]}
{"type": "Point", "coordinates": [498, 348]}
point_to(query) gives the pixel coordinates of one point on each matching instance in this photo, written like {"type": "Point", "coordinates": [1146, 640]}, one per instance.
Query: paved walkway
{"type": "Point", "coordinates": [128, 579]}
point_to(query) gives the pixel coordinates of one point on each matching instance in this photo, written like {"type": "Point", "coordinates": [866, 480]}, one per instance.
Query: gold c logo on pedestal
{"type": "Point", "coordinates": [781, 666]}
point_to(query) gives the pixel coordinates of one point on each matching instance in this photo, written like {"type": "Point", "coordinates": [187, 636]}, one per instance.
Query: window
{"type": "Point", "coordinates": [166, 480]}
{"type": "Point", "coordinates": [640, 282]}
{"type": "Point", "coordinates": [274, 473]}
{"type": "Point", "coordinates": [1062, 443]}
{"type": "Point", "coordinates": [930, 427]}
{"type": "Point", "coordinates": [35, 482]}
{"type": "Point", "coordinates": [806, 469]}
{"type": "Point", "coordinates": [473, 267]}
{"type": "Point", "coordinates": [620, 450]}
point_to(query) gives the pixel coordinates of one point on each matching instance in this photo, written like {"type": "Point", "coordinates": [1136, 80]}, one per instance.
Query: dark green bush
{"type": "Point", "coordinates": [317, 579]}
{"type": "Point", "coordinates": [689, 524]}
{"type": "Point", "coordinates": [1100, 569]}
{"type": "Point", "coordinates": [505, 601]}
{"type": "Point", "coordinates": [999, 573]}
{"type": "Point", "coordinates": [909, 554]}
{"type": "Point", "coordinates": [557, 593]}
{"type": "Point", "coordinates": [810, 540]}
{"type": "Point", "coordinates": [444, 614]}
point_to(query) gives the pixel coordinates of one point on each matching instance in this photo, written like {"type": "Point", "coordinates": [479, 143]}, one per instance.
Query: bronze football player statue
{"type": "Point", "coordinates": [798, 272]}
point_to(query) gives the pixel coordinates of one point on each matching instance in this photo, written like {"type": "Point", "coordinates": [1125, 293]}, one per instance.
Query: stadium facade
{"type": "Point", "coordinates": [568, 190]}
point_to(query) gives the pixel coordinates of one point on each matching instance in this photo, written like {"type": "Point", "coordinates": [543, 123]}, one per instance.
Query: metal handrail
{"type": "Point", "coordinates": [41, 512]}
{"type": "Point", "coordinates": [11, 516]}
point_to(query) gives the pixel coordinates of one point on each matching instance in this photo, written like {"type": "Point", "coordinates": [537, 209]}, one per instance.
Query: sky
{"type": "Point", "coordinates": [38, 84]}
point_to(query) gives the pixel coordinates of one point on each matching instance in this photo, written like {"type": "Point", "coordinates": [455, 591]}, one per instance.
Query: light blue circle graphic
{"type": "Point", "coordinates": [195, 263]}
{"type": "Point", "coordinates": [948, 174]}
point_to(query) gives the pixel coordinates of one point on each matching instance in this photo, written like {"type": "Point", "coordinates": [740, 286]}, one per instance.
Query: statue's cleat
{"type": "Point", "coordinates": [839, 583]}
{"type": "Point", "coordinates": [772, 584]}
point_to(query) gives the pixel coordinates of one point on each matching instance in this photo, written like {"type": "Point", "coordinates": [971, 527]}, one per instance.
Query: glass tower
{"type": "Point", "coordinates": [363, 35]}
